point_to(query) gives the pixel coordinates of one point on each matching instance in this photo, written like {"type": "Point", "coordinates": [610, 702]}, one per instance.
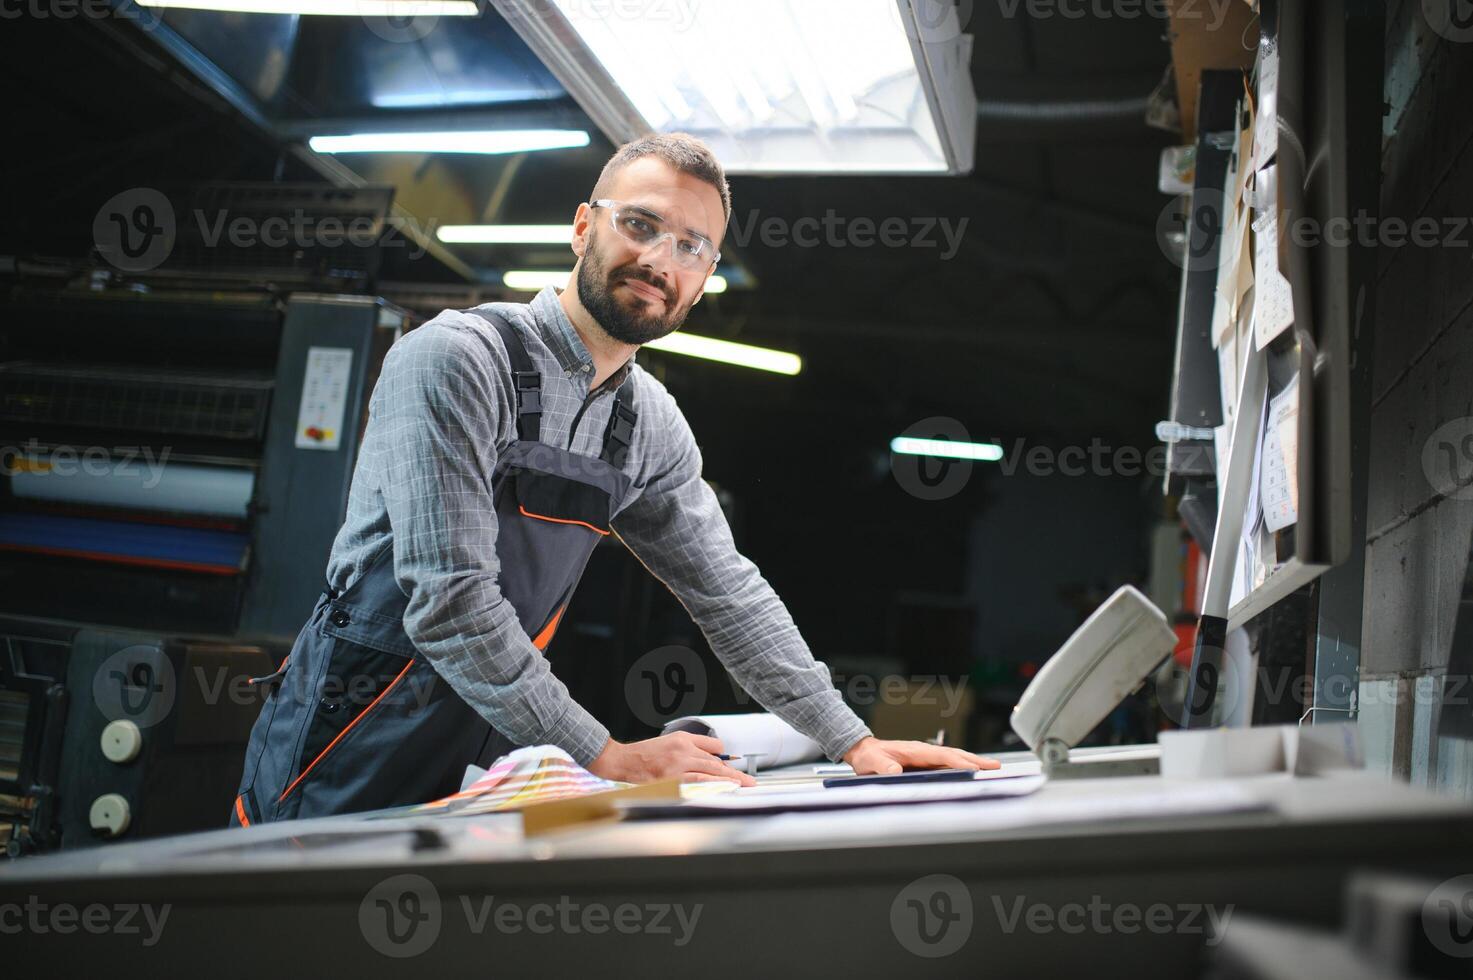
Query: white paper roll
{"type": "Point", "coordinates": [139, 484]}
{"type": "Point", "coordinates": [766, 736]}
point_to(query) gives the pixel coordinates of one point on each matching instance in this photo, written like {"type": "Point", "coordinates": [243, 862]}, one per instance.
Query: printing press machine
{"type": "Point", "coordinates": [174, 466]}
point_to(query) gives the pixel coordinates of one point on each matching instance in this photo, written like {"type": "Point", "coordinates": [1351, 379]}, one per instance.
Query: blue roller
{"type": "Point", "coordinates": [203, 548]}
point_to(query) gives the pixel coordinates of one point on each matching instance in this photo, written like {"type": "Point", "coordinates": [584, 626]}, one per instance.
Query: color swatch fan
{"type": "Point", "coordinates": [534, 774]}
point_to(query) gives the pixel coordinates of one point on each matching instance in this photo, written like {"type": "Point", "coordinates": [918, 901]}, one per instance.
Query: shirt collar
{"type": "Point", "coordinates": [560, 336]}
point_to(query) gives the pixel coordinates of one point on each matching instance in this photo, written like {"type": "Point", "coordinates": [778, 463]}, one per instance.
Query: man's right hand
{"type": "Point", "coordinates": [679, 755]}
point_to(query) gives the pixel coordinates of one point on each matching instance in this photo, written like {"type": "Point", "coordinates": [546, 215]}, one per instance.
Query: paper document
{"type": "Point", "coordinates": [1272, 296]}
{"type": "Point", "coordinates": [773, 741]}
{"type": "Point", "coordinates": [1246, 577]}
{"type": "Point", "coordinates": [1280, 489]}
{"type": "Point", "coordinates": [1266, 118]}
{"type": "Point", "coordinates": [849, 797]}
{"type": "Point", "coordinates": [910, 823]}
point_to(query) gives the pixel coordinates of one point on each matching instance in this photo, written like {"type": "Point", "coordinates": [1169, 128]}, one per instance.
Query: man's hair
{"type": "Point", "coordinates": [681, 151]}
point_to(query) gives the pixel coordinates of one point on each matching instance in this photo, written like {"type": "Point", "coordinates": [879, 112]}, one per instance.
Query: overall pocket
{"type": "Point", "coordinates": [558, 500]}
{"type": "Point", "coordinates": [356, 679]}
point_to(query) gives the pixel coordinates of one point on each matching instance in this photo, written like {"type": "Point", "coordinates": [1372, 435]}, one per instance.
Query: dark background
{"type": "Point", "coordinates": [1052, 325]}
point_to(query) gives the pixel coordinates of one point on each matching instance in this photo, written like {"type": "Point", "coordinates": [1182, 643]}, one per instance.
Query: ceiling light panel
{"type": "Point", "coordinates": [775, 86]}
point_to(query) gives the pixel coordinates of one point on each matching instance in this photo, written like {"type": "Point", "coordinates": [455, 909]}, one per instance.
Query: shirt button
{"type": "Point", "coordinates": [340, 618]}
{"type": "Point", "coordinates": [567, 374]}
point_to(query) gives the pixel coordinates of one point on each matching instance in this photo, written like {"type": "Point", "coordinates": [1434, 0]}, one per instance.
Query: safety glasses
{"type": "Point", "coordinates": [645, 228]}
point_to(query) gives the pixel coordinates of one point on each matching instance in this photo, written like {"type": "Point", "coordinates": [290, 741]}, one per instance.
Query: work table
{"type": "Point", "coordinates": [777, 893]}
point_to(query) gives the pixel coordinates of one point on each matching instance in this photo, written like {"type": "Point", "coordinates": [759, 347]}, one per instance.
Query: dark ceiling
{"type": "Point", "coordinates": [1052, 320]}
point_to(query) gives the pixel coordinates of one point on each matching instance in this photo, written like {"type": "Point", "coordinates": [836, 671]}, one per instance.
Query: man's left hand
{"type": "Point", "coordinates": [872, 755]}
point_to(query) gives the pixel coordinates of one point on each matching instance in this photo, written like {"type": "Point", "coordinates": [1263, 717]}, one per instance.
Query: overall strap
{"type": "Point", "coordinates": [526, 380]}
{"type": "Point", "coordinates": [621, 428]}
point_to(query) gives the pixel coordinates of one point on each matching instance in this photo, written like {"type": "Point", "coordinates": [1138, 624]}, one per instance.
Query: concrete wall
{"type": "Point", "coordinates": [1420, 508]}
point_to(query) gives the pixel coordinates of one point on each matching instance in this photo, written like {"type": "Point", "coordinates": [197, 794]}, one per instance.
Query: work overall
{"type": "Point", "coordinates": [356, 719]}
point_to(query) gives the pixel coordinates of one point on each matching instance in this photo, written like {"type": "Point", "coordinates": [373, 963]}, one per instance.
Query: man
{"type": "Point", "coordinates": [502, 444]}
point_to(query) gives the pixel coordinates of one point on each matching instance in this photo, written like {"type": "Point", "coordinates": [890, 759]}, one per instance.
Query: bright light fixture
{"type": "Point", "coordinates": [727, 352]}
{"type": "Point", "coordinates": [775, 86]}
{"type": "Point", "coordinates": [438, 97]}
{"type": "Point", "coordinates": [329, 8]}
{"type": "Point", "coordinates": [986, 452]}
{"type": "Point", "coordinates": [536, 280]}
{"type": "Point", "coordinates": [506, 234]}
{"type": "Point", "coordinates": [487, 141]}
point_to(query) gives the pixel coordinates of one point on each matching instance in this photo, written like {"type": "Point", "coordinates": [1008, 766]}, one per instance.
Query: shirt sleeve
{"type": "Point", "coordinates": [677, 529]}
{"type": "Point", "coordinates": [435, 418]}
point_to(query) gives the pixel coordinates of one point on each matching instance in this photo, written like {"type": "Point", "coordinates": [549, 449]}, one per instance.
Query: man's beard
{"type": "Point", "coordinates": [596, 292]}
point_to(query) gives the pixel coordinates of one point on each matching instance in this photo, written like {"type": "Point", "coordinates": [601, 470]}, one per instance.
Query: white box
{"type": "Point", "coordinates": [1213, 753]}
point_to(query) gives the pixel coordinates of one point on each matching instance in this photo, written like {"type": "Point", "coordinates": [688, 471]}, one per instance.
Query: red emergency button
{"type": "Point", "coordinates": [315, 433]}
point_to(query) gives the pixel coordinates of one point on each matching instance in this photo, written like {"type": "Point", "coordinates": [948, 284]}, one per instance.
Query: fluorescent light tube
{"type": "Point", "coordinates": [534, 281]}
{"type": "Point", "coordinates": [506, 234]}
{"type": "Point", "coordinates": [328, 8]}
{"type": "Point", "coordinates": [987, 452]}
{"type": "Point", "coordinates": [537, 280]}
{"type": "Point", "coordinates": [727, 352]}
{"type": "Point", "coordinates": [487, 141]}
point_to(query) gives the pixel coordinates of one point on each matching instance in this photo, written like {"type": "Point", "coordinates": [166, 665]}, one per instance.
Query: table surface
{"type": "Point", "coordinates": [807, 893]}
{"type": "Point", "coordinates": [1063, 809]}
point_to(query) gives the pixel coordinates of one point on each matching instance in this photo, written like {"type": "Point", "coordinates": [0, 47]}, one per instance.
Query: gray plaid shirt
{"type": "Point", "coordinates": [439, 418]}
